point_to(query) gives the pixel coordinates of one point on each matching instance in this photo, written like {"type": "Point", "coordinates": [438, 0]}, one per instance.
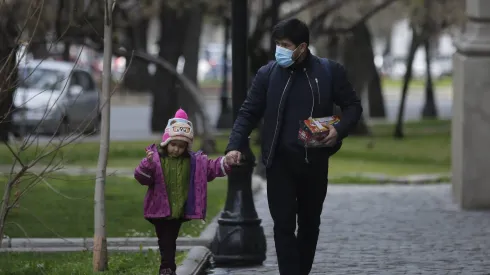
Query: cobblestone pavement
{"type": "Point", "coordinates": [391, 230]}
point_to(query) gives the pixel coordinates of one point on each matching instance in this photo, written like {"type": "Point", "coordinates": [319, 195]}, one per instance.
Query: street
{"type": "Point", "coordinates": [132, 121]}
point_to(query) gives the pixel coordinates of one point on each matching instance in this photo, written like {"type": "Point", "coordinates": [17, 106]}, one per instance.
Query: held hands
{"type": "Point", "coordinates": [331, 139]}
{"type": "Point", "coordinates": [233, 158]}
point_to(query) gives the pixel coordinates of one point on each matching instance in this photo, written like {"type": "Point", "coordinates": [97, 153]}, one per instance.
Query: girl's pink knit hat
{"type": "Point", "coordinates": [178, 128]}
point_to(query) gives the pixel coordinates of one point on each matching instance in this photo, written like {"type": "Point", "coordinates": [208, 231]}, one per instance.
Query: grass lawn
{"type": "Point", "coordinates": [45, 213]}
{"type": "Point", "coordinates": [80, 263]}
{"type": "Point", "coordinates": [386, 82]}
{"type": "Point", "coordinates": [367, 180]}
{"type": "Point", "coordinates": [443, 82]}
{"type": "Point", "coordinates": [121, 154]}
{"type": "Point", "coordinates": [425, 149]}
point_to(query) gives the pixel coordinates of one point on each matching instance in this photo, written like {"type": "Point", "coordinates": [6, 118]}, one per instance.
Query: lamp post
{"type": "Point", "coordinates": [274, 19]}
{"type": "Point", "coordinates": [225, 118]}
{"type": "Point", "coordinates": [240, 238]}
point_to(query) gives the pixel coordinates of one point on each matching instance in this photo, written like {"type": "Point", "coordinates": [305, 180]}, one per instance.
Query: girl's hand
{"type": "Point", "coordinates": [149, 155]}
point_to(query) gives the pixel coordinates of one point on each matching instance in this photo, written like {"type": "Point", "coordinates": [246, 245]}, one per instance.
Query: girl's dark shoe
{"type": "Point", "coordinates": [167, 271]}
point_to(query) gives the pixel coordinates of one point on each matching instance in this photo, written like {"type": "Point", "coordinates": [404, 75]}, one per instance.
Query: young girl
{"type": "Point", "coordinates": [177, 183]}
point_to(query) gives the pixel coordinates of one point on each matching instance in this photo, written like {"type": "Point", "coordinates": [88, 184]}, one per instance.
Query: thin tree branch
{"type": "Point", "coordinates": [302, 8]}
{"type": "Point", "coordinates": [362, 20]}
{"type": "Point", "coordinates": [13, 153]}
{"type": "Point", "coordinates": [316, 23]}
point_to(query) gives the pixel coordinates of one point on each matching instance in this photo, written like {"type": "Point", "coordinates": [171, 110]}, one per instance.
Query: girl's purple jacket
{"type": "Point", "coordinates": [203, 170]}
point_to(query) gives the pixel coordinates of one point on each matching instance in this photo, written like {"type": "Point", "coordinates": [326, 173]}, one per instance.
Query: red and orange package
{"type": "Point", "coordinates": [313, 130]}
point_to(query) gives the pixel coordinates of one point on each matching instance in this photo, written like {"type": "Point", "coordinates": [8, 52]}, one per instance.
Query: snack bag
{"type": "Point", "coordinates": [313, 130]}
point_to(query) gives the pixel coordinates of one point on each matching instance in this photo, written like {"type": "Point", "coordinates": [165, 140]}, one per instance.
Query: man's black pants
{"type": "Point", "coordinates": [295, 188]}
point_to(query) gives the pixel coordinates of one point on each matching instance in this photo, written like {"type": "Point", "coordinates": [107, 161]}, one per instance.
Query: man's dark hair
{"type": "Point", "coordinates": [292, 29]}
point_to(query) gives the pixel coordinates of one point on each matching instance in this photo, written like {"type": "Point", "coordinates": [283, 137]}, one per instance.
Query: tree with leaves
{"type": "Point", "coordinates": [427, 20]}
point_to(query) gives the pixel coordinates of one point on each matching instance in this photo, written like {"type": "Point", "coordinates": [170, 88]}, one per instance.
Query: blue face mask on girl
{"type": "Point", "coordinates": [284, 57]}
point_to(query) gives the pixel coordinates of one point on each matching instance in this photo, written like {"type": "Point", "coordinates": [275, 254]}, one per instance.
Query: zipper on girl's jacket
{"type": "Point", "coordinates": [277, 120]}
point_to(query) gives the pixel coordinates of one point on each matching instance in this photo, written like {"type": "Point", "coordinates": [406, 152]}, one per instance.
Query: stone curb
{"type": "Point", "coordinates": [75, 170]}
{"type": "Point", "coordinates": [412, 179]}
{"type": "Point", "coordinates": [80, 249]}
{"type": "Point", "coordinates": [196, 260]}
{"type": "Point", "coordinates": [87, 243]}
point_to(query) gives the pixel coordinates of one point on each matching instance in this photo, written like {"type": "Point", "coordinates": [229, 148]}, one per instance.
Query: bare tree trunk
{"type": "Point", "coordinates": [39, 50]}
{"type": "Point", "coordinates": [430, 109]}
{"type": "Point", "coordinates": [165, 99]}
{"type": "Point", "coordinates": [333, 47]}
{"type": "Point", "coordinates": [333, 52]}
{"type": "Point", "coordinates": [357, 56]}
{"type": "Point", "coordinates": [137, 77]}
{"type": "Point", "coordinates": [8, 73]}
{"type": "Point", "coordinates": [4, 208]}
{"type": "Point", "coordinates": [414, 44]}
{"type": "Point", "coordinates": [191, 56]}
{"type": "Point", "coordinates": [8, 78]}
{"type": "Point", "coordinates": [66, 52]}
{"type": "Point", "coordinates": [387, 47]}
{"type": "Point", "coordinates": [100, 256]}
{"type": "Point", "coordinates": [190, 52]}
{"type": "Point", "coordinates": [374, 89]}
{"type": "Point", "coordinates": [375, 96]}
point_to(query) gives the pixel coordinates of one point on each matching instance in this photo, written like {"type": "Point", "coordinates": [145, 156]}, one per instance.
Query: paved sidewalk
{"type": "Point", "coordinates": [391, 230]}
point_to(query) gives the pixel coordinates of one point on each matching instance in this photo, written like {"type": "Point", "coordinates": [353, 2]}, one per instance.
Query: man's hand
{"type": "Point", "coordinates": [331, 139]}
{"type": "Point", "coordinates": [233, 158]}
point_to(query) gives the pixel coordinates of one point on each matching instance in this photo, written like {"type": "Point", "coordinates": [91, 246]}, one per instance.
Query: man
{"type": "Point", "coordinates": [297, 86]}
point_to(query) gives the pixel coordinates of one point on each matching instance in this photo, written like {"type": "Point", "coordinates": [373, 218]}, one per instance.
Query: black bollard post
{"type": "Point", "coordinates": [240, 238]}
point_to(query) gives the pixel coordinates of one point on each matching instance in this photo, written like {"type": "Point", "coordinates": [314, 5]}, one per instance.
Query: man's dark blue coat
{"type": "Point", "coordinates": [284, 96]}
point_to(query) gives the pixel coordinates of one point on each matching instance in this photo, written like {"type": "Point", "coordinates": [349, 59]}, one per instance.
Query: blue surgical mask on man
{"type": "Point", "coordinates": [284, 57]}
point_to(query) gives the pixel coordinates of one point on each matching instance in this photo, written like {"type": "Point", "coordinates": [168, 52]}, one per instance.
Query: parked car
{"type": "Point", "coordinates": [444, 65]}
{"type": "Point", "coordinates": [212, 53]}
{"type": "Point", "coordinates": [55, 97]}
{"type": "Point", "coordinates": [441, 66]}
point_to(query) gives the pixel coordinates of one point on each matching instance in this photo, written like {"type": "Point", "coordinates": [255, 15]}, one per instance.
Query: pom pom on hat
{"type": "Point", "coordinates": [181, 114]}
